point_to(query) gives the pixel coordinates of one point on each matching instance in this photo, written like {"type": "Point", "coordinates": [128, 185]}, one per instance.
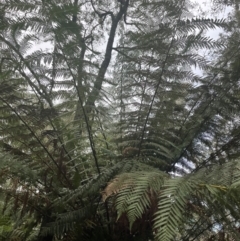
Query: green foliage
{"type": "Point", "coordinates": [5, 227]}
{"type": "Point", "coordinates": [136, 192]}
{"type": "Point", "coordinates": [124, 141]}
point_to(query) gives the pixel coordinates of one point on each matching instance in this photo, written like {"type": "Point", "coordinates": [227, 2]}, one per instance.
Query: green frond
{"type": "Point", "coordinates": [66, 221]}
{"type": "Point", "coordinates": [143, 130]}
{"type": "Point", "coordinates": [6, 227]}
{"type": "Point", "coordinates": [171, 206]}
{"type": "Point", "coordinates": [135, 191]}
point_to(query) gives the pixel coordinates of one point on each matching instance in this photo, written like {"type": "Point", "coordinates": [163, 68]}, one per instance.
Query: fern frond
{"type": "Point", "coordinates": [171, 206]}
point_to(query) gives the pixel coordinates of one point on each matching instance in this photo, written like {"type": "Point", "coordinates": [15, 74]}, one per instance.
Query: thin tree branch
{"type": "Point", "coordinates": [101, 14]}
{"type": "Point", "coordinates": [108, 54]}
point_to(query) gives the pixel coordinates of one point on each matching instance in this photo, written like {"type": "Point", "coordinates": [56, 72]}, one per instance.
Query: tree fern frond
{"type": "Point", "coordinates": [135, 191]}
{"type": "Point", "coordinates": [65, 222]}
{"type": "Point", "coordinates": [171, 206]}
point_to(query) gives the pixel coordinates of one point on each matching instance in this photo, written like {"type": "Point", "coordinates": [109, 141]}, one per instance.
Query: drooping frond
{"type": "Point", "coordinates": [135, 192]}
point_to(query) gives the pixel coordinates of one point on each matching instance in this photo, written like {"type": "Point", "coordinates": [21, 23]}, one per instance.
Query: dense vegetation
{"type": "Point", "coordinates": [119, 120]}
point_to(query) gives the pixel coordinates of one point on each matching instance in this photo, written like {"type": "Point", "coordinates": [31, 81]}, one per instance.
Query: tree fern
{"type": "Point", "coordinates": [79, 122]}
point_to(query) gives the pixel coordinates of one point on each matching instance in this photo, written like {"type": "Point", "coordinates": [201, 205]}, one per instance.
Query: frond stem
{"type": "Point", "coordinates": [38, 140]}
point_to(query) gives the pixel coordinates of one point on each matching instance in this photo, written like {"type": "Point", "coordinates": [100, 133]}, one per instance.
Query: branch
{"type": "Point", "coordinates": [108, 54]}
{"type": "Point", "coordinates": [125, 55]}
{"type": "Point", "coordinates": [101, 14]}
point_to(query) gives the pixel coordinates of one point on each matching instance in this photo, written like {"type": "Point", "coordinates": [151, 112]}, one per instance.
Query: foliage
{"type": "Point", "coordinates": [107, 130]}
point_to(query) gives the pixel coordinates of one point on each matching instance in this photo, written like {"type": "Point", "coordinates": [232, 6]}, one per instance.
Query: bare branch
{"type": "Point", "coordinates": [101, 14]}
